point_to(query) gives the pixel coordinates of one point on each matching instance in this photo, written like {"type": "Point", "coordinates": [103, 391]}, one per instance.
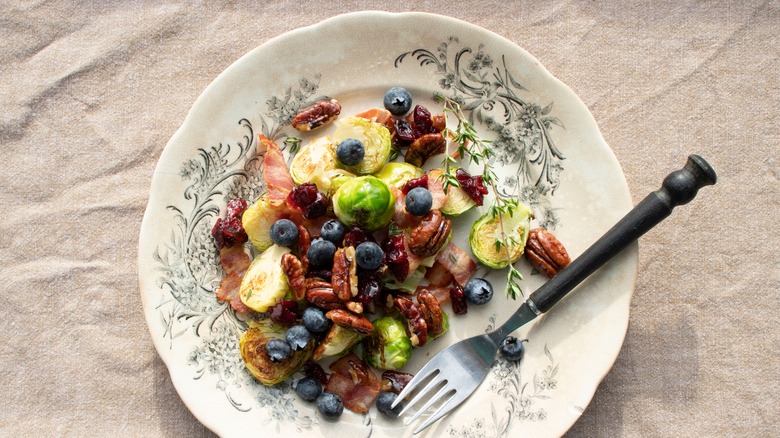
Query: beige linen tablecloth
{"type": "Point", "coordinates": [92, 91]}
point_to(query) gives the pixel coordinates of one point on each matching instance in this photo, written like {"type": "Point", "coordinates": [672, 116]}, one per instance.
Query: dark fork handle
{"type": "Point", "coordinates": [678, 188]}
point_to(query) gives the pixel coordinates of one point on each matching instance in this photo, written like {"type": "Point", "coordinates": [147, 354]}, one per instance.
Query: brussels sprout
{"type": "Point", "coordinates": [375, 137]}
{"type": "Point", "coordinates": [265, 282]}
{"type": "Point", "coordinates": [486, 231]}
{"type": "Point", "coordinates": [338, 341]}
{"type": "Point", "coordinates": [316, 156]}
{"type": "Point", "coordinates": [257, 221]}
{"type": "Point", "coordinates": [458, 201]}
{"type": "Point", "coordinates": [388, 347]}
{"type": "Point", "coordinates": [397, 174]}
{"type": "Point", "coordinates": [252, 349]}
{"type": "Point", "coordinates": [409, 284]}
{"type": "Point", "coordinates": [364, 202]}
{"type": "Point", "coordinates": [316, 163]}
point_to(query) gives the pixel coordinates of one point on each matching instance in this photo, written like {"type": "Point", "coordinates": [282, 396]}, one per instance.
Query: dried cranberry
{"type": "Point", "coordinates": [404, 131]}
{"type": "Point", "coordinates": [458, 298]}
{"type": "Point", "coordinates": [422, 121]}
{"type": "Point", "coordinates": [472, 185]}
{"type": "Point", "coordinates": [228, 232]}
{"type": "Point", "coordinates": [355, 237]}
{"type": "Point", "coordinates": [284, 312]}
{"type": "Point", "coordinates": [414, 183]}
{"type": "Point", "coordinates": [369, 286]}
{"type": "Point", "coordinates": [396, 259]}
{"type": "Point", "coordinates": [309, 200]}
{"type": "Point", "coordinates": [314, 370]}
{"type": "Point", "coordinates": [323, 274]}
{"type": "Point", "coordinates": [395, 381]}
{"type": "Point", "coordinates": [235, 208]}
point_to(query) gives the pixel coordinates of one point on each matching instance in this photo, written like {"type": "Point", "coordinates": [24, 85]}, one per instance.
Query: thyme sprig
{"type": "Point", "coordinates": [477, 151]}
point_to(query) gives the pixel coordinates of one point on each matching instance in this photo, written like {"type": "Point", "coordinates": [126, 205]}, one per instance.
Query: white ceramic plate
{"type": "Point", "coordinates": [549, 151]}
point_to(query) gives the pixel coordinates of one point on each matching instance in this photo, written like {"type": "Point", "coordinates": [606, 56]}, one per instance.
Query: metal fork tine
{"type": "Point", "coordinates": [416, 380]}
{"type": "Point", "coordinates": [444, 390]}
{"type": "Point", "coordinates": [420, 395]}
{"type": "Point", "coordinates": [451, 404]}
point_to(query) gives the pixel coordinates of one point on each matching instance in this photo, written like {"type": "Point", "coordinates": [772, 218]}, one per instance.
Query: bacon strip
{"type": "Point", "coordinates": [275, 173]}
{"type": "Point", "coordinates": [379, 115]}
{"type": "Point", "coordinates": [234, 262]}
{"type": "Point", "coordinates": [438, 275]}
{"type": "Point", "coordinates": [458, 262]}
{"type": "Point", "coordinates": [354, 382]}
{"type": "Point", "coordinates": [436, 187]}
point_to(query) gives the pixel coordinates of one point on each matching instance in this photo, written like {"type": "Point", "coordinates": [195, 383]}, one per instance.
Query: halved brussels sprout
{"type": "Point", "coordinates": [252, 349]}
{"type": "Point", "coordinates": [376, 140]}
{"type": "Point", "coordinates": [265, 282]}
{"type": "Point", "coordinates": [486, 231]}
{"type": "Point", "coordinates": [397, 174]}
{"type": "Point", "coordinates": [458, 201]}
{"type": "Point", "coordinates": [388, 347]}
{"type": "Point", "coordinates": [315, 157]}
{"type": "Point", "coordinates": [338, 341]}
{"type": "Point", "coordinates": [364, 202]}
{"type": "Point", "coordinates": [257, 220]}
{"type": "Point", "coordinates": [409, 284]}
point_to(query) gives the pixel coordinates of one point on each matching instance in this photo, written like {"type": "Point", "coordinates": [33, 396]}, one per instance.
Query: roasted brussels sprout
{"type": "Point", "coordinates": [364, 202]}
{"type": "Point", "coordinates": [316, 163]}
{"type": "Point", "coordinates": [265, 282]}
{"type": "Point", "coordinates": [253, 352]}
{"type": "Point", "coordinates": [397, 174]}
{"type": "Point", "coordinates": [458, 201]}
{"type": "Point", "coordinates": [486, 231]}
{"type": "Point", "coordinates": [338, 341]}
{"type": "Point", "coordinates": [388, 347]}
{"type": "Point", "coordinates": [376, 141]}
{"type": "Point", "coordinates": [257, 221]}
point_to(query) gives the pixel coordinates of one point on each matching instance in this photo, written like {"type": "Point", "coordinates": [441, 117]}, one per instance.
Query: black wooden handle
{"type": "Point", "coordinates": [678, 188]}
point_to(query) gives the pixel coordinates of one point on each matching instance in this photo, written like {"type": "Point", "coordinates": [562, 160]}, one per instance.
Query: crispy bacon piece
{"type": "Point", "coordinates": [438, 275]}
{"type": "Point", "coordinates": [458, 262]}
{"type": "Point", "coordinates": [379, 115]}
{"type": "Point", "coordinates": [235, 263]}
{"type": "Point", "coordinates": [401, 217]}
{"type": "Point", "coordinates": [275, 173]}
{"type": "Point", "coordinates": [354, 382]}
{"type": "Point", "coordinates": [436, 187]}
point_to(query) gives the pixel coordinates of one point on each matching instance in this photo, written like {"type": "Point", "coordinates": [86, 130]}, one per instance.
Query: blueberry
{"type": "Point", "coordinates": [284, 232]}
{"type": "Point", "coordinates": [298, 337]}
{"type": "Point", "coordinates": [398, 101]}
{"type": "Point", "coordinates": [330, 405]}
{"type": "Point", "coordinates": [478, 291]}
{"type": "Point", "coordinates": [314, 320]}
{"type": "Point", "coordinates": [320, 253]}
{"type": "Point", "coordinates": [383, 403]}
{"type": "Point", "coordinates": [350, 152]}
{"type": "Point", "coordinates": [334, 231]}
{"type": "Point", "coordinates": [419, 201]}
{"type": "Point", "coordinates": [369, 256]}
{"type": "Point", "coordinates": [308, 388]}
{"type": "Point", "coordinates": [512, 348]}
{"type": "Point", "coordinates": [278, 350]}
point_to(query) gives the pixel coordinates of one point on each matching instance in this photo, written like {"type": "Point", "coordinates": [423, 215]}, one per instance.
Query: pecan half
{"type": "Point", "coordinates": [415, 323]}
{"type": "Point", "coordinates": [304, 242]}
{"type": "Point", "coordinates": [344, 278]}
{"type": "Point", "coordinates": [296, 278]}
{"type": "Point", "coordinates": [425, 147]}
{"type": "Point", "coordinates": [355, 307]}
{"type": "Point", "coordinates": [545, 252]}
{"type": "Point", "coordinates": [431, 312]}
{"type": "Point", "coordinates": [317, 115]}
{"type": "Point", "coordinates": [427, 238]}
{"type": "Point", "coordinates": [320, 293]}
{"type": "Point", "coordinates": [348, 320]}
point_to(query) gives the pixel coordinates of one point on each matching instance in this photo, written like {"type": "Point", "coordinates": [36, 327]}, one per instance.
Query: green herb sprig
{"type": "Point", "coordinates": [476, 150]}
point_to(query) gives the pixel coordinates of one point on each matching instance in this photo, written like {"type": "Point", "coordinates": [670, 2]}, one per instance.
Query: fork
{"type": "Point", "coordinates": [459, 369]}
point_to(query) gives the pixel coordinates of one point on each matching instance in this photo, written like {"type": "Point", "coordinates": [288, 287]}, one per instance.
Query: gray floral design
{"type": "Point", "coordinates": [189, 265]}
{"type": "Point", "coordinates": [490, 93]}
{"type": "Point", "coordinates": [506, 381]}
